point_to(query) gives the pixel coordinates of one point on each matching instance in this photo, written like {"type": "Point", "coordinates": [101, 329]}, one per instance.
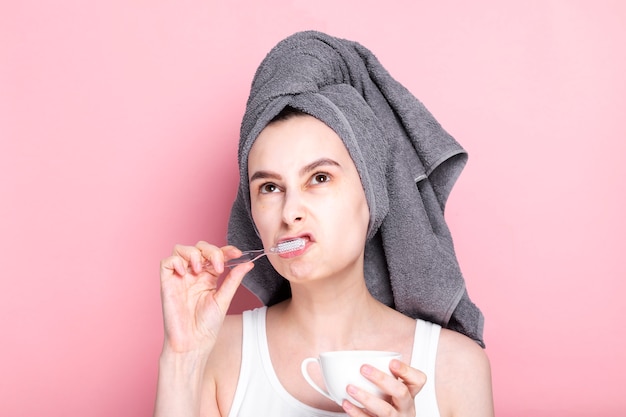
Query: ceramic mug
{"type": "Point", "coordinates": [343, 368]}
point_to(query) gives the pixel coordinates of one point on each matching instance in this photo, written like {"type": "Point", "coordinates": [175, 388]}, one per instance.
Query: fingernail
{"type": "Point", "coordinates": [395, 365]}
{"type": "Point", "coordinates": [347, 405]}
{"type": "Point", "coordinates": [366, 370]}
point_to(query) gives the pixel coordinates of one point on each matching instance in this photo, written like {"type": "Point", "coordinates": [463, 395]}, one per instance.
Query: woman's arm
{"type": "Point", "coordinates": [462, 377]}
{"type": "Point", "coordinates": [194, 309]}
{"type": "Point", "coordinates": [181, 384]}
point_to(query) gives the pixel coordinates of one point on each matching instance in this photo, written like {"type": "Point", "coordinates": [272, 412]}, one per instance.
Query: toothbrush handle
{"type": "Point", "coordinates": [248, 256]}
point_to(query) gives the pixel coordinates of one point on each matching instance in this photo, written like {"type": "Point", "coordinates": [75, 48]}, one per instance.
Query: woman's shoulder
{"type": "Point", "coordinates": [231, 329]}
{"type": "Point", "coordinates": [463, 375]}
{"type": "Point", "coordinates": [228, 343]}
{"type": "Point", "coordinates": [228, 346]}
{"type": "Point", "coordinates": [222, 370]}
{"type": "Point", "coordinates": [231, 333]}
{"type": "Point", "coordinates": [456, 343]}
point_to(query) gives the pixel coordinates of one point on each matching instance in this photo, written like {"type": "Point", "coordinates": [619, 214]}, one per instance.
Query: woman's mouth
{"type": "Point", "coordinates": [293, 246]}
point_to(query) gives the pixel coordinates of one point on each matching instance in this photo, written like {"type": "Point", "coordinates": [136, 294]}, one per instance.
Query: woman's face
{"type": "Point", "coordinates": [304, 184]}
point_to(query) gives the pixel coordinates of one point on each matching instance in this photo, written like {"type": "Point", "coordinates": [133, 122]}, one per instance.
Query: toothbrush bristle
{"type": "Point", "coordinates": [290, 245]}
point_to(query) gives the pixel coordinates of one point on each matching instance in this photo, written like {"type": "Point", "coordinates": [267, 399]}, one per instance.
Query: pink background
{"type": "Point", "coordinates": [118, 128]}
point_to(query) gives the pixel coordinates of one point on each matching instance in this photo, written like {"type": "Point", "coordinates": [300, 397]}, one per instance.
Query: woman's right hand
{"type": "Point", "coordinates": [194, 306]}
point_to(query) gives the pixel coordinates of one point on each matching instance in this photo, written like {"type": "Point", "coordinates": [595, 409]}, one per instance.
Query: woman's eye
{"type": "Point", "coordinates": [268, 188]}
{"type": "Point", "coordinates": [320, 178]}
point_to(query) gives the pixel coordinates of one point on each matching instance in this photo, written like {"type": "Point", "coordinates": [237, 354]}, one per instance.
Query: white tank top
{"type": "Point", "coordinates": [260, 393]}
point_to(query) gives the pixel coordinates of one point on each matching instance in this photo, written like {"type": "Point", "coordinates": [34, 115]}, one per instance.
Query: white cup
{"type": "Point", "coordinates": [343, 368]}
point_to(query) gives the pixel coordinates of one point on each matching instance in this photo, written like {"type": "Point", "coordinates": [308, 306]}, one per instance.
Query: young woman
{"type": "Point", "coordinates": [304, 184]}
{"type": "Point", "coordinates": [302, 181]}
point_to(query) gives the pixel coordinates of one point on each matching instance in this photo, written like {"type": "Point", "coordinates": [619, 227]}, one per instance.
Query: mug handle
{"type": "Point", "coordinates": [305, 374]}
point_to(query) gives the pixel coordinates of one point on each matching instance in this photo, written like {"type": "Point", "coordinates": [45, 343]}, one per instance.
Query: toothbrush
{"type": "Point", "coordinates": [252, 255]}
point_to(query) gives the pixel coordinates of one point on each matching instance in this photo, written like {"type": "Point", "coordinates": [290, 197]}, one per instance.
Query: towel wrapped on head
{"type": "Point", "coordinates": [406, 161]}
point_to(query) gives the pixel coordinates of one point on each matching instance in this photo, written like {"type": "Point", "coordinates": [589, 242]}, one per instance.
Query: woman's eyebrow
{"type": "Point", "coordinates": [263, 175]}
{"type": "Point", "coordinates": [318, 163]}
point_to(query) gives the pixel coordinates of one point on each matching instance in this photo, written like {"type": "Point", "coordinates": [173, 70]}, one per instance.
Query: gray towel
{"type": "Point", "coordinates": [407, 163]}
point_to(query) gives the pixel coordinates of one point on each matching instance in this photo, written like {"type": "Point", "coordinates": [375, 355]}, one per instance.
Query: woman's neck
{"type": "Point", "coordinates": [333, 315]}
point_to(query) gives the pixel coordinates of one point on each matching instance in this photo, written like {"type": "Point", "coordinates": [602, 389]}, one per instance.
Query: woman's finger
{"type": "Point", "coordinates": [173, 264]}
{"type": "Point", "coordinates": [401, 388]}
{"type": "Point", "coordinates": [354, 411]}
{"type": "Point", "coordinates": [204, 256]}
{"type": "Point", "coordinates": [191, 255]}
{"type": "Point", "coordinates": [226, 291]}
{"type": "Point", "coordinates": [412, 378]}
{"type": "Point", "coordinates": [217, 256]}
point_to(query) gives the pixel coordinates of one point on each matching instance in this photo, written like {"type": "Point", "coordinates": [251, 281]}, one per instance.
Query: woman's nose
{"type": "Point", "coordinates": [293, 208]}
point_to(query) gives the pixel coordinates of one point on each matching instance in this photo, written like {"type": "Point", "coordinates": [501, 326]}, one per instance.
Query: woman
{"type": "Point", "coordinates": [301, 181]}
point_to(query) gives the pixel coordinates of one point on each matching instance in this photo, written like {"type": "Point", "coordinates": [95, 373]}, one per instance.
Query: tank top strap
{"type": "Point", "coordinates": [424, 358]}
{"type": "Point", "coordinates": [249, 354]}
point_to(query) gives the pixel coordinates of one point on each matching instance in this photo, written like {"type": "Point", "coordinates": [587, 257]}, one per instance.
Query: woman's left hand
{"type": "Point", "coordinates": [401, 388]}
